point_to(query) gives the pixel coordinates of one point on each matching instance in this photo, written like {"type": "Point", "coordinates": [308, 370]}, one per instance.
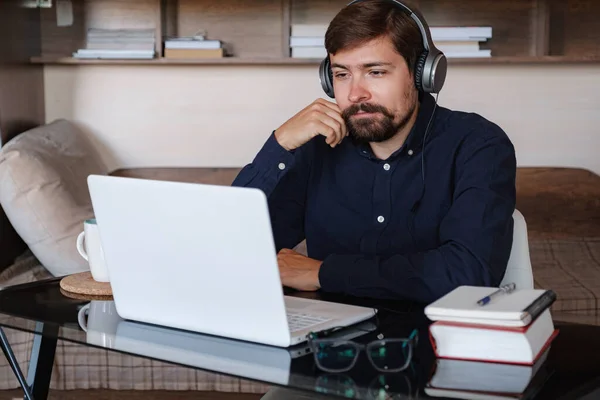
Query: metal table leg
{"type": "Point", "coordinates": [37, 384]}
{"type": "Point", "coordinates": [12, 360]}
{"type": "Point", "coordinates": [42, 359]}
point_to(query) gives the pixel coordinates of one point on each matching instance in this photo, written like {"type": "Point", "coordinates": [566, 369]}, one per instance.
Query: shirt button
{"type": "Point", "coordinates": [380, 218]}
{"type": "Point", "coordinates": [281, 166]}
{"type": "Point", "coordinates": [410, 152]}
{"type": "Point", "coordinates": [386, 166]}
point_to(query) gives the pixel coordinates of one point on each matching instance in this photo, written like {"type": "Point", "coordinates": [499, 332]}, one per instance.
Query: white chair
{"type": "Point", "coordinates": [519, 268]}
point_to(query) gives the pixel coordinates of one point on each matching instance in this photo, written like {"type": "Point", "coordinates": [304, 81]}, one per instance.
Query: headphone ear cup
{"type": "Point", "coordinates": [326, 77]}
{"type": "Point", "coordinates": [419, 67]}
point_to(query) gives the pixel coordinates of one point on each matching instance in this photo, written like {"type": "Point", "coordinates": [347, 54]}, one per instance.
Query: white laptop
{"type": "Point", "coordinates": [202, 258]}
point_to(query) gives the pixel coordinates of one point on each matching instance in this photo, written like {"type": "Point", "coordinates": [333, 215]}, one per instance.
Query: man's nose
{"type": "Point", "coordinates": [358, 92]}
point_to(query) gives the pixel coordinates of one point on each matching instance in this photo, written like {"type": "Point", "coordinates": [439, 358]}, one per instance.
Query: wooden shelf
{"type": "Point", "coordinates": [170, 61]}
{"type": "Point", "coordinates": [258, 32]}
{"type": "Point", "coordinates": [299, 61]}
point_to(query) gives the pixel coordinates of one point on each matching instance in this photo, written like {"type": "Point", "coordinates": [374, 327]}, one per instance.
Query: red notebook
{"type": "Point", "coordinates": [493, 343]}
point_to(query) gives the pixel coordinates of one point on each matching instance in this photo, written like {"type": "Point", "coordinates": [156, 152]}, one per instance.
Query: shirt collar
{"type": "Point", "coordinates": [414, 140]}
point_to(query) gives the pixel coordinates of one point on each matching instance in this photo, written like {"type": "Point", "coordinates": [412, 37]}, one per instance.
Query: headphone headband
{"type": "Point", "coordinates": [420, 21]}
{"type": "Point", "coordinates": [430, 70]}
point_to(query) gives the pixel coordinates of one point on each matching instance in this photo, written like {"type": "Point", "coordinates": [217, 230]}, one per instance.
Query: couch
{"type": "Point", "coordinates": [44, 195]}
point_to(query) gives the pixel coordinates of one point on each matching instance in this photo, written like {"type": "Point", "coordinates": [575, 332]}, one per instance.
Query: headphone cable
{"type": "Point", "coordinates": [418, 202]}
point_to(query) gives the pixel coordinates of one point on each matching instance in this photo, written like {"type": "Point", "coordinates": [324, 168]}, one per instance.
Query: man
{"type": "Point", "coordinates": [380, 217]}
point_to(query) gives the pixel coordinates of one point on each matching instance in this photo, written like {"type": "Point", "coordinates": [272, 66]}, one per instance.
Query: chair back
{"type": "Point", "coordinates": [518, 269]}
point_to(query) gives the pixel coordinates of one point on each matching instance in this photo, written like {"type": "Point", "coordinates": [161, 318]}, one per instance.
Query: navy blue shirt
{"type": "Point", "coordinates": [379, 230]}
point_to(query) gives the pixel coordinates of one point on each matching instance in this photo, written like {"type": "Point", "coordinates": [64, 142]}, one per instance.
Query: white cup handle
{"type": "Point", "coordinates": [80, 247]}
{"type": "Point", "coordinates": [81, 317]}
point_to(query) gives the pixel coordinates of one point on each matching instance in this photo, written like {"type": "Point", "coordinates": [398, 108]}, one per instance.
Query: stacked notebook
{"type": "Point", "coordinates": [118, 44]}
{"type": "Point", "coordinates": [462, 41]}
{"type": "Point", "coordinates": [508, 337]}
{"type": "Point", "coordinates": [308, 40]}
{"type": "Point", "coordinates": [195, 47]}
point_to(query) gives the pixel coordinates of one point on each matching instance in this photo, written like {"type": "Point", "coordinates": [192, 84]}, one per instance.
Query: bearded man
{"type": "Point", "coordinates": [396, 196]}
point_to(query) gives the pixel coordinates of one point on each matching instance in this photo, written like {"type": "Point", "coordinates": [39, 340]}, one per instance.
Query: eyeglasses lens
{"type": "Point", "coordinates": [335, 356]}
{"type": "Point", "coordinates": [389, 354]}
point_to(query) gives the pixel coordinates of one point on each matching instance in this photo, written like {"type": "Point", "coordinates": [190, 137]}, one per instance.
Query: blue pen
{"type": "Point", "coordinates": [506, 289]}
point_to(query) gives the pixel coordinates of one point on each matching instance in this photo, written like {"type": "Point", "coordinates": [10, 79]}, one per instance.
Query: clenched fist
{"type": "Point", "coordinates": [321, 117]}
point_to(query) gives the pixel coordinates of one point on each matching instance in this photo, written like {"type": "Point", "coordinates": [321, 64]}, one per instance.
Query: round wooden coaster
{"type": "Point", "coordinates": [88, 297]}
{"type": "Point", "coordinates": [83, 283]}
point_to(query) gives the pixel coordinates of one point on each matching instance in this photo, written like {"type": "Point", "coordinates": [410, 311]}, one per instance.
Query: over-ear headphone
{"type": "Point", "coordinates": [430, 69]}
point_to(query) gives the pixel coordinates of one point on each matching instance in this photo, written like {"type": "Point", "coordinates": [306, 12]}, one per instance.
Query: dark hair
{"type": "Point", "coordinates": [366, 20]}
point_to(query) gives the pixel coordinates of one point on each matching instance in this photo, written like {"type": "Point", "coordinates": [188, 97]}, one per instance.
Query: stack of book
{"type": "Point", "coordinates": [118, 44]}
{"type": "Point", "coordinates": [308, 41]}
{"type": "Point", "coordinates": [493, 350]}
{"type": "Point", "coordinates": [462, 42]}
{"type": "Point", "coordinates": [193, 47]}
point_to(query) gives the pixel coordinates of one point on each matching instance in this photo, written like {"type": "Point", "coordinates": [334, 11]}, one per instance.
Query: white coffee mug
{"type": "Point", "coordinates": [90, 248]}
{"type": "Point", "coordinates": [101, 323]}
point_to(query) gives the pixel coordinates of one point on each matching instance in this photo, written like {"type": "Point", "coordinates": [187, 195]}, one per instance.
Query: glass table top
{"type": "Point", "coordinates": [569, 369]}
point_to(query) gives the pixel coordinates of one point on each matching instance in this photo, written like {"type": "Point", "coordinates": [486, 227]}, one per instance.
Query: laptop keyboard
{"type": "Point", "coordinates": [298, 321]}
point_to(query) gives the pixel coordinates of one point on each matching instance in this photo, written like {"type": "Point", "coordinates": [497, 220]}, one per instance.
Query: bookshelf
{"type": "Point", "coordinates": [257, 32]}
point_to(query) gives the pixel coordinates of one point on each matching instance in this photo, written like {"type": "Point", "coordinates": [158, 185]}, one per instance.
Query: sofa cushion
{"type": "Point", "coordinates": [44, 193]}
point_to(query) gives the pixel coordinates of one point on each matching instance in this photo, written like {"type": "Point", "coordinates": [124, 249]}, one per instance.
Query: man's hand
{"type": "Point", "coordinates": [298, 271]}
{"type": "Point", "coordinates": [321, 117]}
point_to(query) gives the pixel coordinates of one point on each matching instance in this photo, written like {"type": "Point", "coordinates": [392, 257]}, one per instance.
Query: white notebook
{"type": "Point", "coordinates": [518, 308]}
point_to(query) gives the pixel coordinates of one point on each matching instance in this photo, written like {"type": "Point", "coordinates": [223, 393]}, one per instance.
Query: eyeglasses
{"type": "Point", "coordinates": [386, 355]}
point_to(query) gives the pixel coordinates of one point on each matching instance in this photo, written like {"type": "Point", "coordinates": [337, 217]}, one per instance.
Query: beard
{"type": "Point", "coordinates": [376, 129]}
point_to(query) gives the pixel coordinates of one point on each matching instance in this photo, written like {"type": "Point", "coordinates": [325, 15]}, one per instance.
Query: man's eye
{"type": "Point", "coordinates": [340, 75]}
{"type": "Point", "coordinates": [378, 73]}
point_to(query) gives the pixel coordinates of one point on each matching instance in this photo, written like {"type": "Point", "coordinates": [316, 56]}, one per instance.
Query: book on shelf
{"type": "Point", "coordinates": [462, 42]}
{"type": "Point", "coordinates": [308, 30]}
{"type": "Point", "coordinates": [476, 33]}
{"type": "Point", "coordinates": [468, 54]}
{"type": "Point", "coordinates": [309, 52]}
{"type": "Point", "coordinates": [193, 53]}
{"type": "Point", "coordinates": [455, 42]}
{"type": "Point", "coordinates": [462, 49]}
{"type": "Point", "coordinates": [457, 45]}
{"type": "Point", "coordinates": [479, 33]}
{"type": "Point", "coordinates": [194, 47]}
{"type": "Point", "coordinates": [109, 54]}
{"type": "Point", "coordinates": [190, 43]}
{"type": "Point", "coordinates": [307, 41]}
{"type": "Point", "coordinates": [118, 44]}
{"type": "Point", "coordinates": [513, 328]}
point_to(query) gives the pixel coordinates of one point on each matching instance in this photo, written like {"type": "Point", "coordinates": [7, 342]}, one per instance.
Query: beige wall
{"type": "Point", "coordinates": [189, 115]}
